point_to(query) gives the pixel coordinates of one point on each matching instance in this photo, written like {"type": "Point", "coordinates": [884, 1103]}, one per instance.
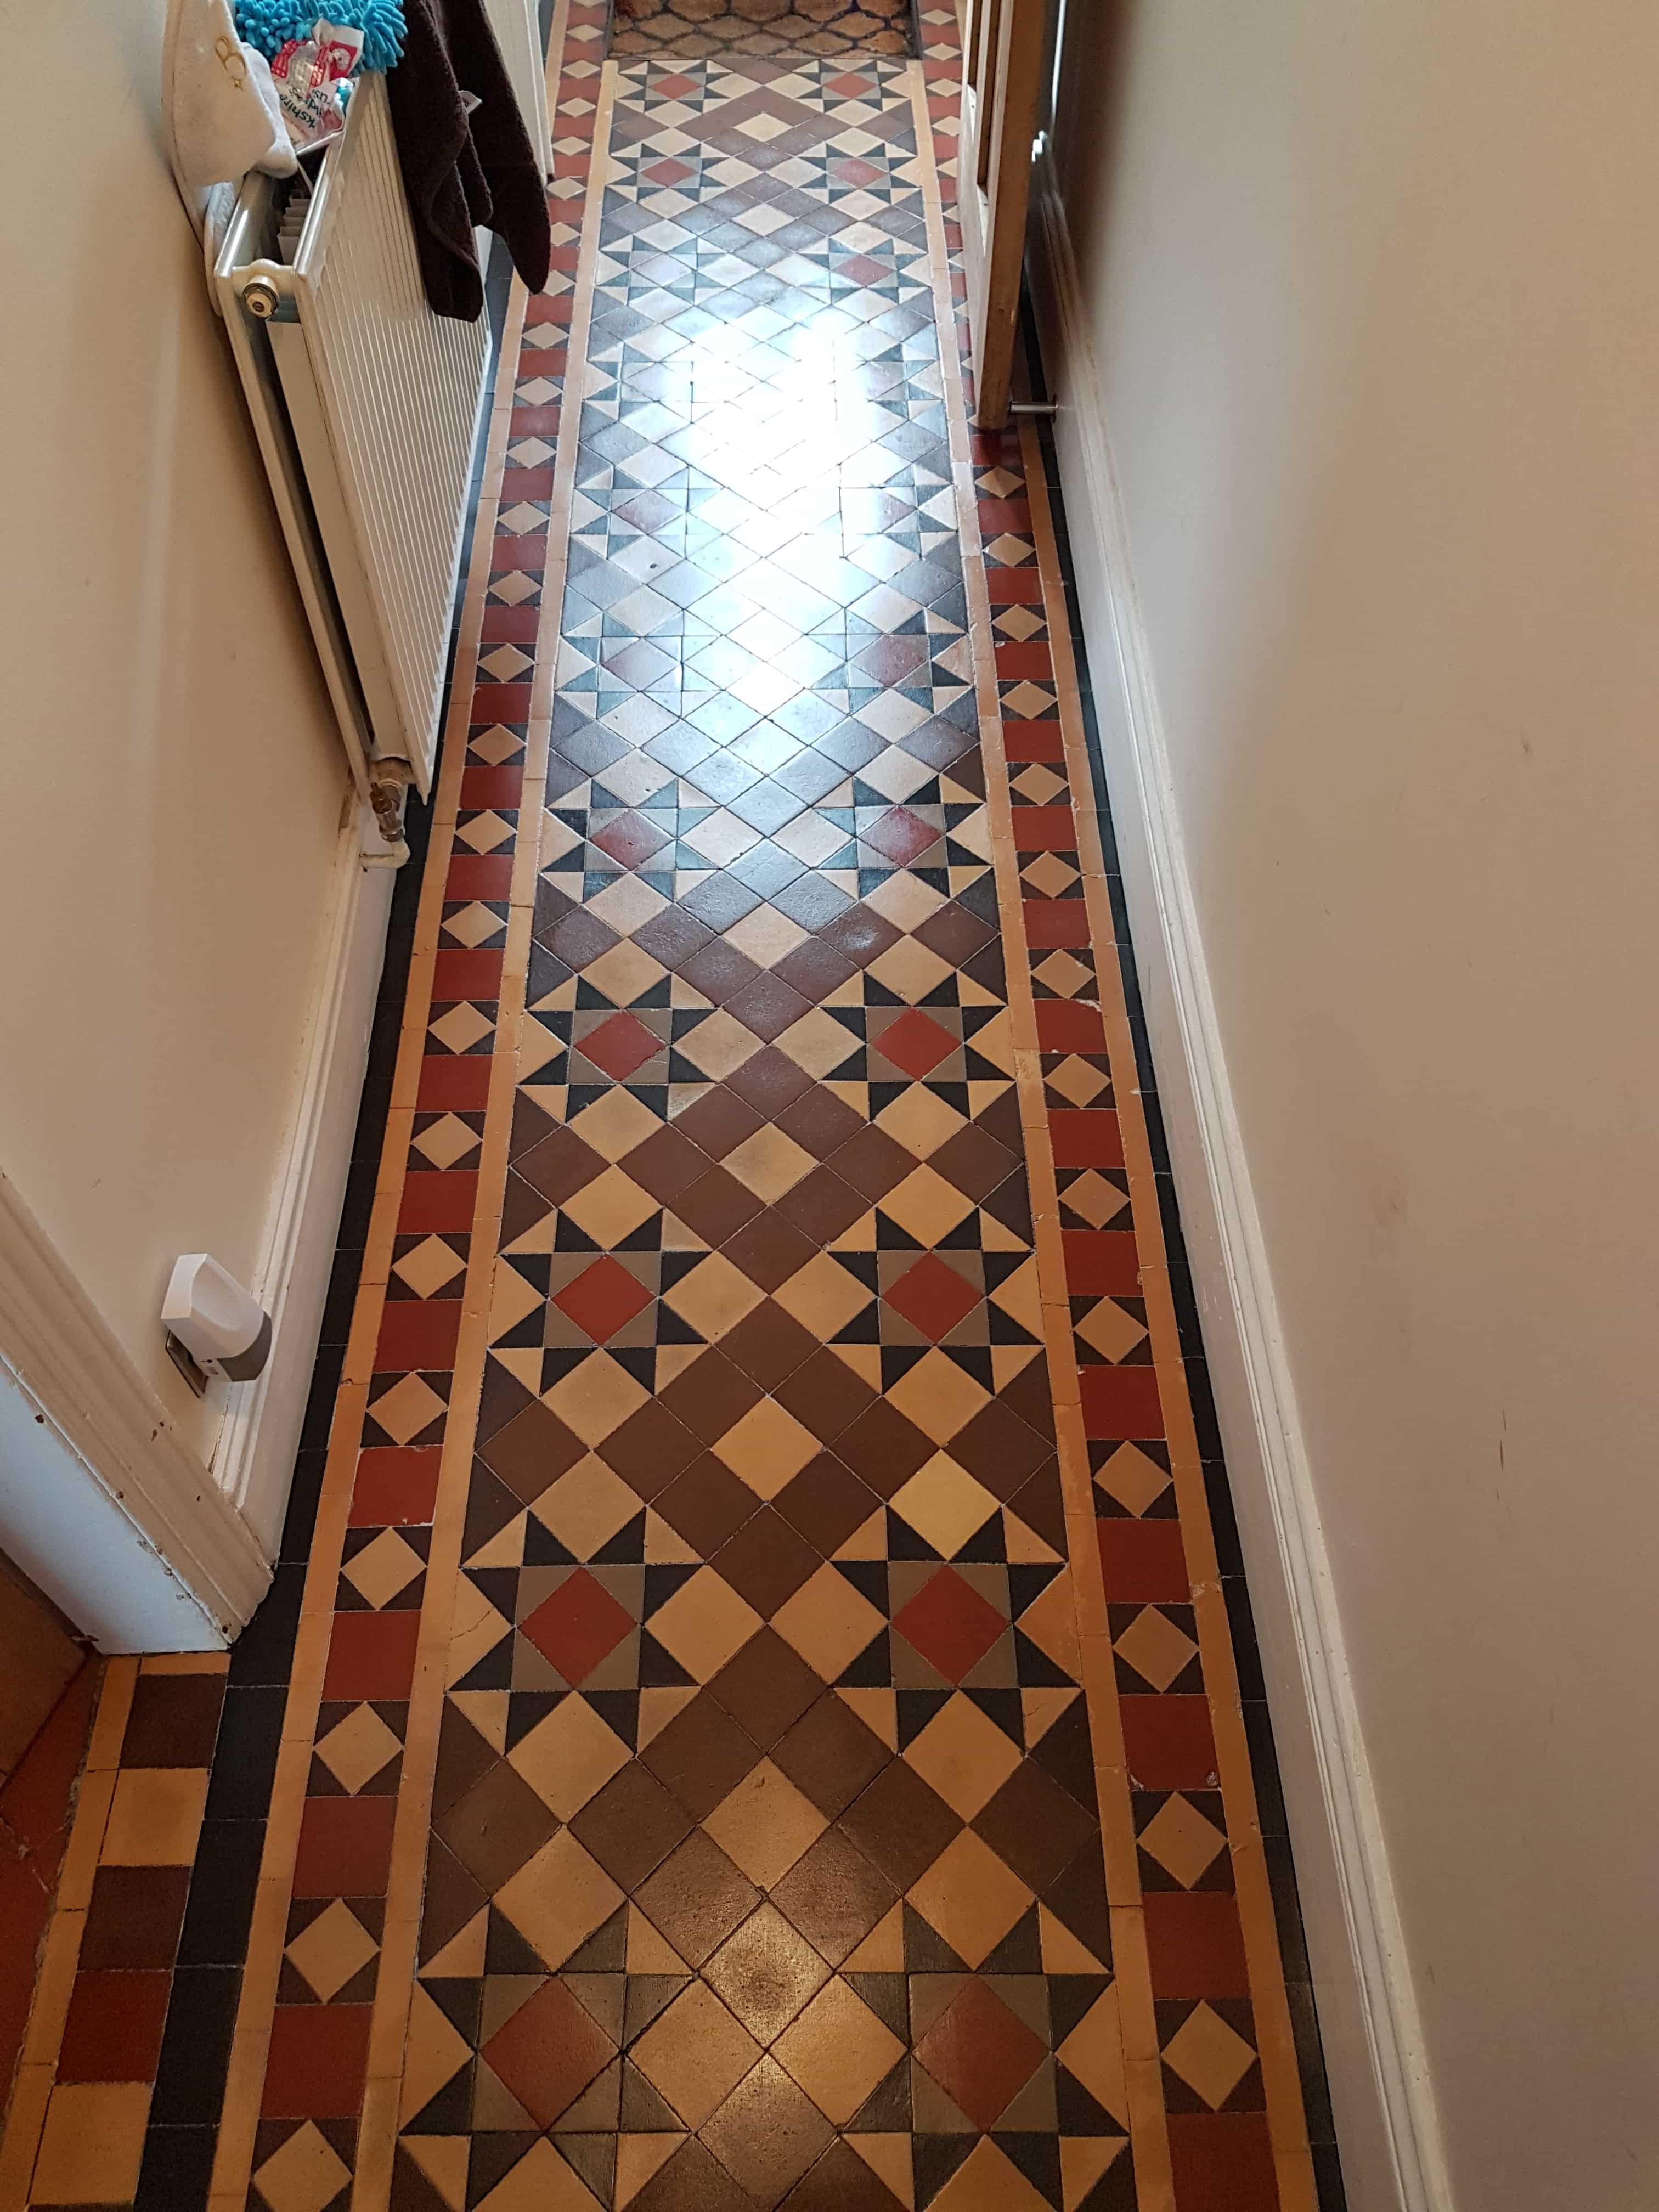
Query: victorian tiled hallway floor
{"type": "Point", "coordinates": [760, 1725]}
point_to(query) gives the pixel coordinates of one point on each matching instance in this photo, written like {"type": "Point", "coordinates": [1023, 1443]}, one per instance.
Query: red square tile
{"type": "Point", "coordinates": [578, 1626]}
{"type": "Point", "coordinates": [1167, 1743]}
{"type": "Point", "coordinates": [1044, 829]}
{"type": "Point", "coordinates": [1049, 922]}
{"type": "Point", "coordinates": [418, 1332]}
{"type": "Point", "coordinates": [114, 2033]}
{"type": "Point", "coordinates": [174, 1720]}
{"type": "Point", "coordinates": [1100, 1262]}
{"type": "Point", "coordinates": [1120, 1401]}
{"type": "Point", "coordinates": [603, 1298]}
{"type": "Point", "coordinates": [932, 1297]}
{"type": "Point", "coordinates": [346, 1847]}
{"type": "Point", "coordinates": [982, 2053]}
{"type": "Point", "coordinates": [1222, 2162]}
{"type": "Point", "coordinates": [1143, 1561]}
{"type": "Point", "coordinates": [1086, 1137]}
{"type": "Point", "coordinates": [620, 1046]}
{"type": "Point", "coordinates": [432, 1200]}
{"type": "Point", "coordinates": [549, 2051]}
{"type": "Point", "coordinates": [460, 972]}
{"type": "Point", "coordinates": [453, 1083]}
{"type": "Point", "coordinates": [397, 1486]}
{"type": "Point", "coordinates": [372, 1655]}
{"type": "Point", "coordinates": [318, 2057]}
{"type": "Point", "coordinates": [1196, 1945]}
{"type": "Point", "coordinates": [492, 787]}
{"type": "Point", "coordinates": [481, 875]}
{"type": "Point", "coordinates": [1069, 1025]}
{"type": "Point", "coordinates": [949, 1624]}
{"type": "Point", "coordinates": [916, 1043]}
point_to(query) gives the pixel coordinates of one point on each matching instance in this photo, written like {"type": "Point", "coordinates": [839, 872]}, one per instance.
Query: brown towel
{"type": "Point", "coordinates": [462, 168]}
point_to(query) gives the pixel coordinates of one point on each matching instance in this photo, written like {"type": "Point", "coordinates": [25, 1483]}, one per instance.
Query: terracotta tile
{"type": "Point", "coordinates": [767, 2134]}
{"type": "Point", "coordinates": [549, 2051]}
{"type": "Point", "coordinates": [134, 1916]}
{"type": "Point", "coordinates": [692, 2180]}
{"type": "Point", "coordinates": [346, 1847]}
{"type": "Point", "coordinates": [982, 2052]}
{"type": "Point", "coordinates": [826, 1396]}
{"type": "Point", "coordinates": [372, 1655]}
{"type": "Point", "coordinates": [765, 1972]}
{"type": "Point", "coordinates": [1167, 1743]}
{"type": "Point", "coordinates": [532, 1451]}
{"type": "Point", "coordinates": [174, 1720]}
{"type": "Point", "coordinates": [949, 1624]}
{"type": "Point", "coordinates": [650, 1448]}
{"type": "Point", "coordinates": [701, 1755]}
{"type": "Point", "coordinates": [716, 1206]}
{"type": "Point", "coordinates": [707, 1504]}
{"type": "Point", "coordinates": [768, 1344]}
{"type": "Point", "coordinates": [883, 1447]}
{"type": "Point", "coordinates": [631, 1825]}
{"type": "Point", "coordinates": [766, 1687]}
{"type": "Point", "coordinates": [830, 1755]}
{"type": "Point", "coordinates": [1196, 1944]}
{"type": "Point", "coordinates": [719, 1122]}
{"type": "Point", "coordinates": [766, 1561]}
{"type": "Point", "coordinates": [1034, 1824]}
{"type": "Point", "coordinates": [578, 1626]}
{"type": "Point", "coordinates": [1223, 2162]}
{"type": "Point", "coordinates": [899, 1823]}
{"type": "Point", "coordinates": [834, 1895]}
{"type": "Point", "coordinates": [114, 2033]}
{"type": "Point", "coordinates": [712, 1395]}
{"type": "Point", "coordinates": [697, 1897]}
{"type": "Point", "coordinates": [770, 1251]}
{"type": "Point", "coordinates": [319, 2055]}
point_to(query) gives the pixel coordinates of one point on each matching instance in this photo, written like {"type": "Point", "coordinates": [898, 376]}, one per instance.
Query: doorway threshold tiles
{"type": "Point", "coordinates": [762, 1726]}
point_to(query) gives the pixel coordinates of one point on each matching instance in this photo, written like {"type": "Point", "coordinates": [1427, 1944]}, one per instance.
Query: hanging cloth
{"type": "Point", "coordinates": [465, 154]}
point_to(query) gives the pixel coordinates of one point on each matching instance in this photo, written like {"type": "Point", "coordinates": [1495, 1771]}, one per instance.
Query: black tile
{"type": "Point", "coordinates": [1264, 1767]}
{"type": "Point", "coordinates": [222, 1890]}
{"type": "Point", "coordinates": [246, 1760]}
{"type": "Point", "coordinates": [190, 2081]}
{"type": "Point", "coordinates": [1246, 1657]}
{"type": "Point", "coordinates": [263, 1652]}
{"type": "Point", "coordinates": [1315, 2093]}
{"type": "Point", "coordinates": [178, 2167]}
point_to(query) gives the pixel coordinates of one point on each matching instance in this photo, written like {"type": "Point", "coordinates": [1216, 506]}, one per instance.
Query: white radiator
{"type": "Point", "coordinates": [367, 408]}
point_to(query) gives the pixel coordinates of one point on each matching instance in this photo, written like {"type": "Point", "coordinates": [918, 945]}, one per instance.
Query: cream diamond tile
{"type": "Point", "coordinates": [926, 1207]}
{"type": "Point", "coordinates": [811, 838]}
{"type": "Point", "coordinates": [1039, 784]}
{"type": "Point", "coordinates": [1077, 1082]}
{"type": "Point", "coordinates": [472, 924]}
{"type": "Point", "coordinates": [765, 1824]}
{"type": "Point", "coordinates": [703, 1623]}
{"type": "Point", "coordinates": [721, 838]}
{"type": "Point", "coordinates": [1048, 875]}
{"type": "Point", "coordinates": [627, 903]}
{"type": "Point", "coordinates": [596, 1397]}
{"type": "Point", "coordinates": [1181, 1840]}
{"type": "Point", "coordinates": [1017, 622]}
{"type": "Point", "coordinates": [768, 1163]}
{"type": "Point", "coordinates": [638, 2158]}
{"type": "Point", "coordinates": [765, 936]}
{"type": "Point", "coordinates": [460, 1027]}
{"type": "Point", "coordinates": [610, 1207]}
{"type": "Point", "coordinates": [505, 662]}
{"type": "Point", "coordinates": [1064, 974]}
{"type": "Point", "coordinates": [615, 1124]}
{"type": "Point", "coordinates": [1020, 1298]}
{"type": "Point", "coordinates": [972, 1896]}
{"type": "Point", "coordinates": [477, 1628]}
{"type": "Point", "coordinates": [1050, 1621]}
{"type": "Point", "coordinates": [909, 970]}
{"type": "Point", "coordinates": [330, 1949]}
{"type": "Point", "coordinates": [768, 1448]}
{"type": "Point", "coordinates": [446, 1141]}
{"type": "Point", "coordinates": [943, 1503]}
{"type": "Point", "coordinates": [822, 1297]}
{"type": "Point", "coordinates": [514, 588]}
{"type": "Point", "coordinates": [304, 2175]}
{"type": "Point", "coordinates": [1109, 1330]}
{"type": "Point", "coordinates": [714, 1297]}
{"type": "Point", "coordinates": [818, 1043]}
{"type": "Point", "coordinates": [406, 1408]}
{"type": "Point", "coordinates": [569, 1757]}
{"type": "Point", "coordinates": [903, 899]}
{"type": "Point", "coordinates": [696, 2054]}
{"type": "Point", "coordinates": [558, 1897]}
{"type": "Point", "coordinates": [585, 1507]}
{"type": "Point", "coordinates": [357, 1748]}
{"type": "Point", "coordinates": [828, 1622]}
{"type": "Point", "coordinates": [623, 973]}
{"type": "Point", "coordinates": [1156, 1648]}
{"type": "Point", "coordinates": [920, 1120]}
{"type": "Point", "coordinates": [1094, 1200]}
{"type": "Point", "coordinates": [718, 1045]}
{"type": "Point", "coordinates": [895, 774]}
{"type": "Point", "coordinates": [1029, 701]}
{"type": "Point", "coordinates": [838, 2051]}
{"type": "Point", "coordinates": [1210, 2059]}
{"type": "Point", "coordinates": [1133, 1479]}
{"type": "Point", "coordinates": [428, 1266]}
{"type": "Point", "coordinates": [963, 1756]}
{"type": "Point", "coordinates": [383, 1568]}
{"type": "Point", "coordinates": [542, 2181]}
{"type": "Point", "coordinates": [937, 1396]}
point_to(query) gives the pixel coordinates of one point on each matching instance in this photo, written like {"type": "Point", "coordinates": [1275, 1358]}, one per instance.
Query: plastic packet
{"type": "Point", "coordinates": [309, 75]}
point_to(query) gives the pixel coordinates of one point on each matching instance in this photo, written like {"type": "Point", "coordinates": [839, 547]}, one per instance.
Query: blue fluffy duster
{"type": "Point", "coordinates": [267, 24]}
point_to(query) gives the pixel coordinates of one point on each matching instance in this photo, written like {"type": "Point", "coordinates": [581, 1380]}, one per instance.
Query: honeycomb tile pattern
{"type": "Point", "coordinates": [760, 1727]}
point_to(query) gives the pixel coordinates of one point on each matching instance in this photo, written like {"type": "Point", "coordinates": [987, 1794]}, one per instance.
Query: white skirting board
{"type": "Point", "coordinates": [144, 1547]}
{"type": "Point", "coordinates": [254, 1462]}
{"type": "Point", "coordinates": [1387, 2125]}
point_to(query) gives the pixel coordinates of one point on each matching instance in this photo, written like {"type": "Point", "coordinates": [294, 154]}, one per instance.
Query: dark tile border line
{"type": "Point", "coordinates": [189, 2089]}
{"type": "Point", "coordinates": [1258, 1724]}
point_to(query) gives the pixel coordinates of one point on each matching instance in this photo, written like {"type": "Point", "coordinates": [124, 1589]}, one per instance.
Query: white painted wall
{"type": "Point", "coordinates": [1373, 294]}
{"type": "Point", "coordinates": [171, 780]}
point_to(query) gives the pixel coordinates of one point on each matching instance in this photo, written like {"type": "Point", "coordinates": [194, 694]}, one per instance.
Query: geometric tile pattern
{"type": "Point", "coordinates": [695, 27]}
{"type": "Point", "coordinates": [96, 2047]}
{"type": "Point", "coordinates": [762, 1731]}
